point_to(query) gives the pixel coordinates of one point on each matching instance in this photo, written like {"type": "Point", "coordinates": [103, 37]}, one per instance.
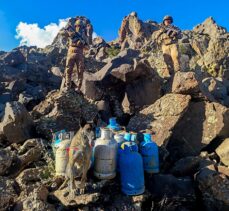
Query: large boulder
{"type": "Point", "coordinates": [199, 126]}
{"type": "Point", "coordinates": [190, 165]}
{"type": "Point", "coordinates": [130, 72]}
{"type": "Point", "coordinates": [117, 68]}
{"type": "Point", "coordinates": [223, 152]}
{"type": "Point", "coordinates": [208, 88]}
{"type": "Point", "coordinates": [61, 110]}
{"type": "Point", "coordinates": [173, 192]}
{"type": "Point", "coordinates": [185, 83]}
{"type": "Point", "coordinates": [91, 88]}
{"type": "Point", "coordinates": [16, 87]}
{"type": "Point", "coordinates": [35, 200]}
{"type": "Point", "coordinates": [122, 73]}
{"type": "Point", "coordinates": [9, 73]}
{"type": "Point", "coordinates": [199, 43]}
{"type": "Point", "coordinates": [210, 27]}
{"type": "Point", "coordinates": [133, 32]}
{"type": "Point", "coordinates": [16, 125]}
{"type": "Point", "coordinates": [211, 44]}
{"type": "Point", "coordinates": [32, 96]}
{"type": "Point", "coordinates": [30, 101]}
{"type": "Point", "coordinates": [214, 188]}
{"type": "Point", "coordinates": [112, 73]}
{"type": "Point", "coordinates": [13, 58]}
{"type": "Point", "coordinates": [162, 116]}
{"type": "Point", "coordinates": [215, 87]}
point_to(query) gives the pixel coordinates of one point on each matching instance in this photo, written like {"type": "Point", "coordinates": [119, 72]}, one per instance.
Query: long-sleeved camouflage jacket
{"type": "Point", "coordinates": [76, 39]}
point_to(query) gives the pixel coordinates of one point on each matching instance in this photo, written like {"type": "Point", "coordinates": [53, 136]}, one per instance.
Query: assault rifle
{"type": "Point", "coordinates": [75, 36]}
{"type": "Point", "coordinates": [170, 30]}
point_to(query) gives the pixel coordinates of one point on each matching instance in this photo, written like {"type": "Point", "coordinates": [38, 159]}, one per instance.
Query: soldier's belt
{"type": "Point", "coordinates": [169, 42]}
{"type": "Point", "coordinates": [75, 50]}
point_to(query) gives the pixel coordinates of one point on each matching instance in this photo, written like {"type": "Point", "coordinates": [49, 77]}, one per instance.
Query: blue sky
{"type": "Point", "coordinates": [106, 16]}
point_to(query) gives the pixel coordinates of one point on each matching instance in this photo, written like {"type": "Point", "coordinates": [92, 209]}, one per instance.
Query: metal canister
{"type": "Point", "coordinates": [131, 170]}
{"type": "Point", "coordinates": [62, 157]}
{"type": "Point", "coordinates": [150, 155]}
{"type": "Point", "coordinates": [113, 125]}
{"type": "Point", "coordinates": [105, 155]}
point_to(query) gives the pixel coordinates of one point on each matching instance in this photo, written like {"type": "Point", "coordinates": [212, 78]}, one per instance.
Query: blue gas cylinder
{"type": "Point", "coordinates": [113, 125]}
{"type": "Point", "coordinates": [149, 152]}
{"type": "Point", "coordinates": [128, 137]}
{"type": "Point", "coordinates": [97, 132]}
{"type": "Point", "coordinates": [131, 171]}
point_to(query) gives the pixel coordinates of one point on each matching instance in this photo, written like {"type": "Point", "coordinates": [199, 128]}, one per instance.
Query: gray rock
{"type": "Point", "coordinates": [188, 166]}
{"type": "Point", "coordinates": [173, 192]}
{"type": "Point", "coordinates": [9, 73]}
{"type": "Point", "coordinates": [185, 83]}
{"type": "Point", "coordinates": [134, 33]}
{"type": "Point", "coordinates": [223, 152]}
{"type": "Point", "coordinates": [25, 98]}
{"type": "Point", "coordinates": [210, 28]}
{"type": "Point", "coordinates": [202, 122]}
{"type": "Point", "coordinates": [61, 110]}
{"type": "Point", "coordinates": [102, 54]}
{"type": "Point", "coordinates": [90, 87]}
{"type": "Point", "coordinates": [16, 125]}
{"type": "Point", "coordinates": [16, 87]}
{"type": "Point", "coordinates": [38, 92]}
{"type": "Point", "coordinates": [214, 188]}
{"type": "Point", "coordinates": [7, 193]}
{"type": "Point", "coordinates": [35, 200]}
{"type": "Point", "coordinates": [5, 161]}
{"type": "Point", "coordinates": [162, 116]}
{"type": "Point", "coordinates": [13, 58]}
{"type": "Point", "coordinates": [215, 87]}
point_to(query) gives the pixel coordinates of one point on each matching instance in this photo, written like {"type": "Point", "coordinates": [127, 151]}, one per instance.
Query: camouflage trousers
{"type": "Point", "coordinates": [74, 58]}
{"type": "Point", "coordinates": [171, 57]}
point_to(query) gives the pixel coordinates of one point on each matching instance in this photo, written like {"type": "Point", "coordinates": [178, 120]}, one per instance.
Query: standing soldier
{"type": "Point", "coordinates": [77, 42]}
{"type": "Point", "coordinates": [168, 36]}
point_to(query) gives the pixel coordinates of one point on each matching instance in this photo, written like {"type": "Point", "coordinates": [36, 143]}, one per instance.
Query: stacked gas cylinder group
{"type": "Point", "coordinates": [116, 150]}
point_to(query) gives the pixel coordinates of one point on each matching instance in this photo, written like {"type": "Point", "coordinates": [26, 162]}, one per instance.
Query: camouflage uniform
{"type": "Point", "coordinates": [168, 37]}
{"type": "Point", "coordinates": [75, 57]}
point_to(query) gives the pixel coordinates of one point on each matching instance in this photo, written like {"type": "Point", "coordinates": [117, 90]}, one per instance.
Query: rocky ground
{"type": "Point", "coordinates": [188, 112]}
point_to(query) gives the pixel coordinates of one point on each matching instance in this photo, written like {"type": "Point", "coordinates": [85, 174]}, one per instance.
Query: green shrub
{"type": "Point", "coordinates": [112, 51]}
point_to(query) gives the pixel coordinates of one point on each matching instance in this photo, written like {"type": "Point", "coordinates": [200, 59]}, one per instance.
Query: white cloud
{"type": "Point", "coordinates": [94, 35]}
{"type": "Point", "coordinates": [33, 35]}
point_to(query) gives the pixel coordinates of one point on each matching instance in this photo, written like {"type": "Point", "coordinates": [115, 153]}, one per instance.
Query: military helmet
{"type": "Point", "coordinates": [78, 23]}
{"type": "Point", "coordinates": [168, 17]}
